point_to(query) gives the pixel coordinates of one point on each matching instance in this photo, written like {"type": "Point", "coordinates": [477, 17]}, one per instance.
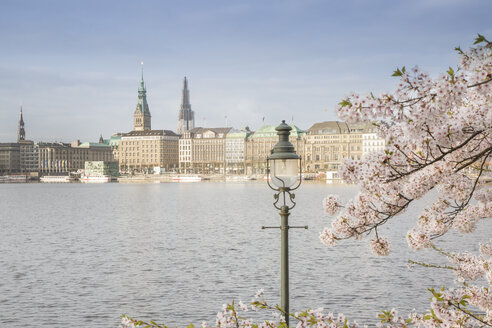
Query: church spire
{"type": "Point", "coordinates": [142, 85]}
{"type": "Point", "coordinates": [141, 89]}
{"type": "Point", "coordinates": [186, 117]}
{"type": "Point", "coordinates": [186, 95]}
{"type": "Point", "coordinates": [21, 133]}
{"type": "Point", "coordinates": [141, 118]}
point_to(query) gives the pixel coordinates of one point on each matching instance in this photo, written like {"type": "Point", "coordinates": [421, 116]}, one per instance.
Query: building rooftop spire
{"type": "Point", "coordinates": [142, 84]}
{"type": "Point", "coordinates": [21, 118]}
{"type": "Point", "coordinates": [186, 117]}
{"type": "Point", "coordinates": [21, 132]}
{"type": "Point", "coordinates": [142, 117]}
{"type": "Point", "coordinates": [185, 103]}
{"type": "Point", "coordinates": [142, 94]}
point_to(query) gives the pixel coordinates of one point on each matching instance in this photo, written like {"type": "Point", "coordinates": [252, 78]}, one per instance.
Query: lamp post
{"type": "Point", "coordinates": [284, 170]}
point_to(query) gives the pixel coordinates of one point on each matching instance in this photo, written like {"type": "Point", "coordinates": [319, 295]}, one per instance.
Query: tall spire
{"type": "Point", "coordinates": [21, 118]}
{"type": "Point", "coordinates": [142, 83]}
{"type": "Point", "coordinates": [186, 117]}
{"type": "Point", "coordinates": [21, 133]}
{"type": "Point", "coordinates": [142, 117]}
{"type": "Point", "coordinates": [142, 80]}
{"type": "Point", "coordinates": [186, 95]}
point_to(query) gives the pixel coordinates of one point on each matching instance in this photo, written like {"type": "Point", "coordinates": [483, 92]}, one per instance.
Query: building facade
{"type": "Point", "coordinates": [114, 143]}
{"type": "Point", "coordinates": [371, 142]}
{"type": "Point", "coordinates": [327, 143]}
{"type": "Point", "coordinates": [29, 156]}
{"type": "Point", "coordinates": [142, 151]}
{"type": "Point", "coordinates": [185, 150]}
{"type": "Point", "coordinates": [235, 149]}
{"type": "Point", "coordinates": [203, 150]}
{"type": "Point", "coordinates": [61, 158]}
{"type": "Point", "coordinates": [186, 117]}
{"type": "Point", "coordinates": [9, 158]}
{"type": "Point", "coordinates": [101, 168]}
{"type": "Point", "coordinates": [259, 145]}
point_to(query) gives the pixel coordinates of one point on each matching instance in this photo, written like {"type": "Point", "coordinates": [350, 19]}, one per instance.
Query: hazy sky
{"type": "Point", "coordinates": [75, 65]}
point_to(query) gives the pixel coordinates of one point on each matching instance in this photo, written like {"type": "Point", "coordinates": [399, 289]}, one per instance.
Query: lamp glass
{"type": "Point", "coordinates": [284, 172]}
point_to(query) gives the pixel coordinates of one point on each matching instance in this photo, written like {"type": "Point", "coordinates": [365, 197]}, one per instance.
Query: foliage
{"type": "Point", "coordinates": [439, 137]}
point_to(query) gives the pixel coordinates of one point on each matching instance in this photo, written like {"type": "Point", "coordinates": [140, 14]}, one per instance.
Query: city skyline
{"type": "Point", "coordinates": [75, 67]}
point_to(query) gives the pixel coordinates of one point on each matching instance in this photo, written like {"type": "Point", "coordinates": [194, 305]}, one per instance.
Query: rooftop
{"type": "Point", "coordinates": [92, 145]}
{"type": "Point", "coordinates": [268, 131]}
{"type": "Point", "coordinates": [238, 134]}
{"type": "Point", "coordinates": [336, 127]}
{"type": "Point", "coordinates": [150, 133]}
{"type": "Point", "coordinates": [216, 130]}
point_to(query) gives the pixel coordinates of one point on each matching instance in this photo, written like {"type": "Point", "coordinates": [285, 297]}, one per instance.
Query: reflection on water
{"type": "Point", "coordinates": [82, 255]}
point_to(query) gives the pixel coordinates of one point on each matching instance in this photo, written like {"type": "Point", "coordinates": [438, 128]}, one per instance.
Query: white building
{"type": "Point", "coordinates": [142, 151]}
{"type": "Point", "coordinates": [185, 152]}
{"type": "Point", "coordinates": [202, 150]}
{"type": "Point", "coordinates": [371, 142]}
{"type": "Point", "coordinates": [234, 150]}
{"type": "Point", "coordinates": [29, 157]}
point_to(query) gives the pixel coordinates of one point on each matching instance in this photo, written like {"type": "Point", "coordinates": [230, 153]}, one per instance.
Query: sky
{"type": "Point", "coordinates": [75, 66]}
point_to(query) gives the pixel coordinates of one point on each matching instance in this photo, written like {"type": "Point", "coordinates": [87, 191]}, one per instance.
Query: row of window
{"type": "Point", "coordinates": [335, 157]}
{"type": "Point", "coordinates": [333, 149]}
{"type": "Point", "coordinates": [335, 137]}
{"type": "Point", "coordinates": [210, 136]}
{"type": "Point", "coordinates": [374, 143]}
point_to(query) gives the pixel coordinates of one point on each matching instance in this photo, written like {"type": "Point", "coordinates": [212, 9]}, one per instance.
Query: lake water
{"type": "Point", "coordinates": [76, 255]}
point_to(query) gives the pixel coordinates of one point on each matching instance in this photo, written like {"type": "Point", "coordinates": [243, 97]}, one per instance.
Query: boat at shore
{"type": "Point", "coordinates": [236, 178]}
{"type": "Point", "coordinates": [95, 178]}
{"type": "Point", "coordinates": [14, 178]}
{"type": "Point", "coordinates": [56, 179]}
{"type": "Point", "coordinates": [193, 178]}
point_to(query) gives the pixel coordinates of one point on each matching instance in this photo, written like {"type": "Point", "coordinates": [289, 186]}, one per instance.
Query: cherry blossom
{"type": "Point", "coordinates": [438, 135]}
{"type": "Point", "coordinates": [331, 205]}
{"type": "Point", "coordinates": [380, 246]}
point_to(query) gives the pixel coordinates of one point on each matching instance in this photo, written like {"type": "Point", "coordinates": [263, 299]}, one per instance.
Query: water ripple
{"type": "Point", "coordinates": [82, 255]}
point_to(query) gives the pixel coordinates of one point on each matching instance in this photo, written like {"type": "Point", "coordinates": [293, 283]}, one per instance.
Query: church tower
{"type": "Point", "coordinates": [21, 133]}
{"type": "Point", "coordinates": [186, 117]}
{"type": "Point", "coordinates": [141, 118]}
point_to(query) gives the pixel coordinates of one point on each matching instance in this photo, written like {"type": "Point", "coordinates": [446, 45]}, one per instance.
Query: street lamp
{"type": "Point", "coordinates": [284, 171]}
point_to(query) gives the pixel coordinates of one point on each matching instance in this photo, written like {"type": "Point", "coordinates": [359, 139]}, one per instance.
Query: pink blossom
{"type": "Point", "coordinates": [380, 246]}
{"type": "Point", "coordinates": [327, 237]}
{"type": "Point", "coordinates": [331, 205]}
